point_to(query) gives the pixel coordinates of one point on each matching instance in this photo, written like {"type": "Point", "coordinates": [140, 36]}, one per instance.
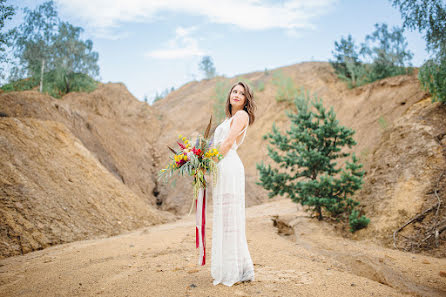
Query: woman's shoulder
{"type": "Point", "coordinates": [242, 114]}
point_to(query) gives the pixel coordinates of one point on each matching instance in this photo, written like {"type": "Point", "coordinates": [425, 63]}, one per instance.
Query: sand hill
{"type": "Point", "coordinates": [400, 137]}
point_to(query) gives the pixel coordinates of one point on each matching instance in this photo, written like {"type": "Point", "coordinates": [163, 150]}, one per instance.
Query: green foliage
{"type": "Point", "coordinates": [21, 84]}
{"type": "Point", "coordinates": [306, 156]}
{"type": "Point", "coordinates": [286, 89]}
{"type": "Point", "coordinates": [260, 86]}
{"type": "Point", "coordinates": [207, 66]}
{"type": "Point", "coordinates": [429, 17]}
{"type": "Point", "coordinates": [163, 94]}
{"type": "Point", "coordinates": [59, 83]}
{"type": "Point", "coordinates": [221, 94]}
{"type": "Point", "coordinates": [382, 122]}
{"type": "Point", "coordinates": [384, 53]}
{"type": "Point", "coordinates": [425, 16]}
{"type": "Point", "coordinates": [387, 51]}
{"type": "Point", "coordinates": [346, 59]}
{"type": "Point", "coordinates": [432, 76]}
{"type": "Point", "coordinates": [356, 222]}
{"type": "Point", "coordinates": [47, 48]}
{"type": "Point", "coordinates": [6, 13]}
{"type": "Point", "coordinates": [56, 83]}
{"type": "Point", "coordinates": [33, 40]}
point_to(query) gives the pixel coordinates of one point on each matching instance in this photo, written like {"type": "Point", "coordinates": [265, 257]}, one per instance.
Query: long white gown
{"type": "Point", "coordinates": [231, 261]}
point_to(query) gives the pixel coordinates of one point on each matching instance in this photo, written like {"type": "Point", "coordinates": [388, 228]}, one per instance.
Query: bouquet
{"type": "Point", "coordinates": [195, 161]}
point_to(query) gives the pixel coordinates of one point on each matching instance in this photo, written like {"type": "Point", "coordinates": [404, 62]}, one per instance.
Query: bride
{"type": "Point", "coordinates": [231, 261]}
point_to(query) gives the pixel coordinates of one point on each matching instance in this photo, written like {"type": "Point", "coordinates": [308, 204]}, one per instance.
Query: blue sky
{"type": "Point", "coordinates": [154, 45]}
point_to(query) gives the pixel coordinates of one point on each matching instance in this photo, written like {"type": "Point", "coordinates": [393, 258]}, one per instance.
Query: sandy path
{"type": "Point", "coordinates": [161, 261]}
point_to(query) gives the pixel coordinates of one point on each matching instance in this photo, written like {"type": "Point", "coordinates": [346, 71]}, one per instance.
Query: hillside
{"type": "Point", "coordinates": [53, 190]}
{"type": "Point", "coordinates": [399, 136]}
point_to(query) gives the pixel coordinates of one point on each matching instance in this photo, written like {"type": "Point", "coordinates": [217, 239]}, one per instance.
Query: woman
{"type": "Point", "coordinates": [231, 261]}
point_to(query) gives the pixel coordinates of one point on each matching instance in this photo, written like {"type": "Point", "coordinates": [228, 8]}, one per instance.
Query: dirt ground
{"type": "Point", "coordinates": [162, 260]}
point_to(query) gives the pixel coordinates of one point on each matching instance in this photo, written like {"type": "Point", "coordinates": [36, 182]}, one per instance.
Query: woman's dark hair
{"type": "Point", "coordinates": [249, 107]}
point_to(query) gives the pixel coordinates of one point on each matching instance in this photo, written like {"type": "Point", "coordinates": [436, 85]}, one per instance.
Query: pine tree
{"type": "Point", "coordinates": [306, 155]}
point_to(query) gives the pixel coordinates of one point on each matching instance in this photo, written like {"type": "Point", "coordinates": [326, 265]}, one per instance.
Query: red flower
{"type": "Point", "coordinates": [196, 151]}
{"type": "Point", "coordinates": [181, 145]}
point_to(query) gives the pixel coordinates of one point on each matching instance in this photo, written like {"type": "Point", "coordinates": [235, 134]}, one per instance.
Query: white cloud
{"type": "Point", "coordinates": [182, 46]}
{"type": "Point", "coordinates": [105, 15]}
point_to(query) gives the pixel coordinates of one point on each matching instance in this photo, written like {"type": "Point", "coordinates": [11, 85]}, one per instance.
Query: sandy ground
{"type": "Point", "coordinates": [162, 261]}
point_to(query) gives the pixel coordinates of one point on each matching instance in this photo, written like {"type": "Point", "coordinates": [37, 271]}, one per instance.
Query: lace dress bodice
{"type": "Point", "coordinates": [222, 131]}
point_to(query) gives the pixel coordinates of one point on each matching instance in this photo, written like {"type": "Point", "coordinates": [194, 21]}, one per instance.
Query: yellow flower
{"type": "Point", "coordinates": [185, 158]}
{"type": "Point", "coordinates": [184, 138]}
{"type": "Point", "coordinates": [180, 136]}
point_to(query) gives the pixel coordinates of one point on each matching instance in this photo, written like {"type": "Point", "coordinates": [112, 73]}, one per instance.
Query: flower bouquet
{"type": "Point", "coordinates": [195, 161]}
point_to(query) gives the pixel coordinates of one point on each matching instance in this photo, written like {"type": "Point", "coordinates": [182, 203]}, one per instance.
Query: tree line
{"type": "Point", "coordinates": [384, 52]}
{"type": "Point", "coordinates": [48, 53]}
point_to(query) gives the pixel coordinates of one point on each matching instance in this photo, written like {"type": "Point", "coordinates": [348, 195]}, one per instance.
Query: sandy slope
{"type": "Point", "coordinates": [161, 261]}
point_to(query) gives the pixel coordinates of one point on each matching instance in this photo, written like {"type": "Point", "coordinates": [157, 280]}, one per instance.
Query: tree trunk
{"type": "Point", "coordinates": [319, 213]}
{"type": "Point", "coordinates": [67, 84]}
{"type": "Point", "coordinates": [41, 75]}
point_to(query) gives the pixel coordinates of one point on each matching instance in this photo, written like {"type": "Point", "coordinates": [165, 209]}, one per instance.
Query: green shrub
{"type": "Point", "coordinates": [286, 89]}
{"type": "Point", "coordinates": [57, 83]}
{"type": "Point", "coordinates": [260, 86]}
{"type": "Point", "coordinates": [356, 222]}
{"type": "Point", "coordinates": [432, 76]}
{"type": "Point", "coordinates": [21, 85]}
{"type": "Point", "coordinates": [382, 122]}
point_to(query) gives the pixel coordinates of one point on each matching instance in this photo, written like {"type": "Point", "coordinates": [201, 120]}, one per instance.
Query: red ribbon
{"type": "Point", "coordinates": [201, 226]}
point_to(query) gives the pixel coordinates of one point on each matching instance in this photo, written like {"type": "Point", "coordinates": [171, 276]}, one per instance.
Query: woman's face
{"type": "Point", "coordinates": [237, 98]}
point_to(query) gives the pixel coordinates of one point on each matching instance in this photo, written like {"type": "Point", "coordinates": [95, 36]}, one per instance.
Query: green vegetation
{"type": "Point", "coordinates": [260, 86]}
{"type": "Point", "coordinates": [357, 222]}
{"type": "Point", "coordinates": [50, 50]}
{"type": "Point", "coordinates": [162, 95]}
{"type": "Point", "coordinates": [21, 84]}
{"type": "Point", "coordinates": [382, 122]}
{"type": "Point", "coordinates": [429, 17]}
{"type": "Point", "coordinates": [432, 76]}
{"type": "Point", "coordinates": [384, 54]}
{"type": "Point", "coordinates": [306, 156]}
{"type": "Point", "coordinates": [6, 13]}
{"type": "Point", "coordinates": [286, 89]}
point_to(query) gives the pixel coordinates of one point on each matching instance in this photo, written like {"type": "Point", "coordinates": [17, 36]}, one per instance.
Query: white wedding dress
{"type": "Point", "coordinates": [231, 261]}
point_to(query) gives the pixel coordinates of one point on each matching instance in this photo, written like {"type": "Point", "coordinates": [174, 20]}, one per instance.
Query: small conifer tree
{"type": "Point", "coordinates": [306, 155]}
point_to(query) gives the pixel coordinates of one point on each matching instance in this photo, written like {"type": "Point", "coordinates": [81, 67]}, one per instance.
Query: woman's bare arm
{"type": "Point", "coordinates": [239, 122]}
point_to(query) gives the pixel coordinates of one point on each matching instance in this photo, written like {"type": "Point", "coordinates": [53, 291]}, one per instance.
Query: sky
{"type": "Point", "coordinates": [151, 46]}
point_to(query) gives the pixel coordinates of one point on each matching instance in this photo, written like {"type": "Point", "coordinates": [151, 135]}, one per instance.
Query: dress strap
{"type": "Point", "coordinates": [230, 120]}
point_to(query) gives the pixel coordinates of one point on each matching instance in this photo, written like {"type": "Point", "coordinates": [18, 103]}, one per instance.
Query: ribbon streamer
{"type": "Point", "coordinates": [200, 225]}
